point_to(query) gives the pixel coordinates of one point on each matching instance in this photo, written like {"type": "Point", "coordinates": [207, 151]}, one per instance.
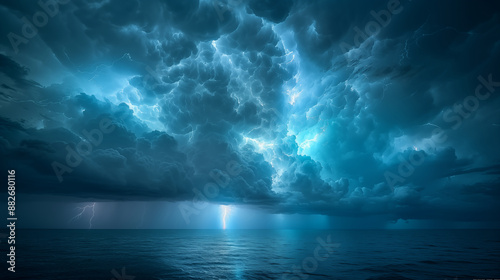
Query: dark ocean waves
{"type": "Point", "coordinates": [256, 254]}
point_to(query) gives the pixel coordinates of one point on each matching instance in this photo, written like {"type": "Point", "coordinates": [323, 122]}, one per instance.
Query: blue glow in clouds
{"type": "Point", "coordinates": [264, 105]}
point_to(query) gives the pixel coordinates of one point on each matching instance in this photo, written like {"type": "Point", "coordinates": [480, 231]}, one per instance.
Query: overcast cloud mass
{"type": "Point", "coordinates": [338, 108]}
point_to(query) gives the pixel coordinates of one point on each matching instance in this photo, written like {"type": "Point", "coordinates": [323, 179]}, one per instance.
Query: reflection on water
{"type": "Point", "coordinates": [257, 254]}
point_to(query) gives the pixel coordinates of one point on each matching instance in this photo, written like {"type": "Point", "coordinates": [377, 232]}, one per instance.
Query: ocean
{"type": "Point", "coordinates": [254, 254]}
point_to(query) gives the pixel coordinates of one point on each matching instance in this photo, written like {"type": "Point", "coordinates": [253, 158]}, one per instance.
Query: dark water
{"type": "Point", "coordinates": [255, 254]}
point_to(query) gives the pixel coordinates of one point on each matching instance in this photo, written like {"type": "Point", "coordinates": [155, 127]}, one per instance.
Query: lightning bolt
{"type": "Point", "coordinates": [226, 209]}
{"type": "Point", "coordinates": [97, 68]}
{"type": "Point", "coordinates": [405, 54]}
{"type": "Point", "coordinates": [82, 210]}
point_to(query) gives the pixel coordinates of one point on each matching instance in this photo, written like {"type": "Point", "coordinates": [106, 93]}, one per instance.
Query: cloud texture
{"type": "Point", "coordinates": [328, 107]}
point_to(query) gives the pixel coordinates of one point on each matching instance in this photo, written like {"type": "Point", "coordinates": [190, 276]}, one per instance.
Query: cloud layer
{"type": "Point", "coordinates": [328, 107]}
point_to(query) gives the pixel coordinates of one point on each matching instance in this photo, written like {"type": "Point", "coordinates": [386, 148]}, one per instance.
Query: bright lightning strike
{"type": "Point", "coordinates": [82, 210]}
{"type": "Point", "coordinates": [225, 209]}
{"type": "Point", "coordinates": [259, 144]}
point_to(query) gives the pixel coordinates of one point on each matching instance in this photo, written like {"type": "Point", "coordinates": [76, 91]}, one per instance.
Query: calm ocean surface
{"type": "Point", "coordinates": [255, 254]}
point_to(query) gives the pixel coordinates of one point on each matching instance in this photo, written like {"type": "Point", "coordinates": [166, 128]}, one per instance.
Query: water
{"type": "Point", "coordinates": [254, 254]}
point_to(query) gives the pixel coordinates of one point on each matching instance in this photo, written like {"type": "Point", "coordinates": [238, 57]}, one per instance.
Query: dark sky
{"type": "Point", "coordinates": [152, 114]}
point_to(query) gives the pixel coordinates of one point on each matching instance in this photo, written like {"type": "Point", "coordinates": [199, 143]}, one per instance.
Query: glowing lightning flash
{"type": "Point", "coordinates": [82, 210]}
{"type": "Point", "coordinates": [226, 209]}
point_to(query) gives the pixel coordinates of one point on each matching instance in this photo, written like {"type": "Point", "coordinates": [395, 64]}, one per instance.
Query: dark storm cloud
{"type": "Point", "coordinates": [275, 11]}
{"type": "Point", "coordinates": [316, 100]}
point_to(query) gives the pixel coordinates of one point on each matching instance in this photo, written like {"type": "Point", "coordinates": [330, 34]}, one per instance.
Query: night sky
{"type": "Point", "coordinates": [285, 114]}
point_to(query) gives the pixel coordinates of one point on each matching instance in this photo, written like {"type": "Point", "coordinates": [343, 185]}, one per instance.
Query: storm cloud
{"type": "Point", "coordinates": [338, 108]}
